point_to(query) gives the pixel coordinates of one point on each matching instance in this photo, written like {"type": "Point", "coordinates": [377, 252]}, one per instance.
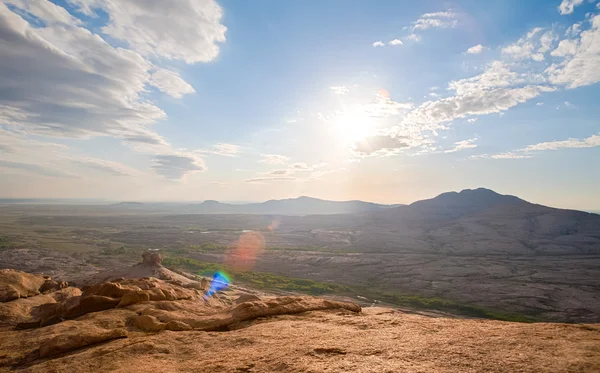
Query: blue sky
{"type": "Point", "coordinates": [387, 101]}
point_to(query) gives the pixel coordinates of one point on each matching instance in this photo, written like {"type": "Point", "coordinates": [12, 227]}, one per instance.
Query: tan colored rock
{"type": "Point", "coordinates": [151, 258]}
{"type": "Point", "coordinates": [133, 296]}
{"type": "Point", "coordinates": [147, 323]}
{"type": "Point", "coordinates": [177, 326]}
{"type": "Point", "coordinates": [82, 338]}
{"type": "Point", "coordinates": [246, 298]}
{"type": "Point", "coordinates": [50, 286]}
{"type": "Point", "coordinates": [17, 284]}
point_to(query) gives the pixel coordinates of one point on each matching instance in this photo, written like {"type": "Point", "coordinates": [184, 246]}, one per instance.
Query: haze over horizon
{"type": "Point", "coordinates": [387, 102]}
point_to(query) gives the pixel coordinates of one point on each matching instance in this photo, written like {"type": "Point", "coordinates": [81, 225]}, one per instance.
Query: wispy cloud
{"type": "Point", "coordinates": [175, 167]}
{"type": "Point", "coordinates": [340, 90]}
{"type": "Point", "coordinates": [273, 159]}
{"type": "Point", "coordinates": [568, 6]}
{"type": "Point", "coordinates": [37, 169]}
{"type": "Point", "coordinates": [462, 145]}
{"type": "Point", "coordinates": [112, 168]}
{"type": "Point", "coordinates": [476, 49]}
{"type": "Point", "coordinates": [435, 20]}
{"type": "Point", "coordinates": [378, 44]}
{"type": "Point", "coordinates": [395, 42]}
{"type": "Point", "coordinates": [269, 179]}
{"type": "Point", "coordinates": [228, 150]}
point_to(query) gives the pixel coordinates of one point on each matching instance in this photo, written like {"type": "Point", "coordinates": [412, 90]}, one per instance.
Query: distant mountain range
{"type": "Point", "coordinates": [481, 220]}
{"type": "Point", "coordinates": [293, 206]}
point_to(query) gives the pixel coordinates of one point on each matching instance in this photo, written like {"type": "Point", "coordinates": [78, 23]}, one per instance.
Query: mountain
{"type": "Point", "coordinates": [293, 206]}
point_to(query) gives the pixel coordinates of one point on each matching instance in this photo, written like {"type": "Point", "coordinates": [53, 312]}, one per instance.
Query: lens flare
{"type": "Point", "coordinates": [219, 282]}
{"type": "Point", "coordinates": [243, 255]}
{"type": "Point", "coordinates": [274, 225]}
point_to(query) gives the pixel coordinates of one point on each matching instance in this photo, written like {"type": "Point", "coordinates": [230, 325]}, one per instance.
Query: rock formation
{"type": "Point", "coordinates": [148, 324]}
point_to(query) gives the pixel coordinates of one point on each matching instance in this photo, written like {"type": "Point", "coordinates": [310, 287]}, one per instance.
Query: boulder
{"type": "Point", "coordinates": [17, 284]}
{"type": "Point", "coordinates": [247, 298]}
{"type": "Point", "coordinates": [151, 258]}
{"type": "Point", "coordinates": [79, 338]}
{"type": "Point", "coordinates": [147, 323]}
{"type": "Point", "coordinates": [50, 286]}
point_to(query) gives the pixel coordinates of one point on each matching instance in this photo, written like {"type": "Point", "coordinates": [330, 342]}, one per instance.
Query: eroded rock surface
{"type": "Point", "coordinates": [17, 284]}
{"type": "Point", "coordinates": [151, 325]}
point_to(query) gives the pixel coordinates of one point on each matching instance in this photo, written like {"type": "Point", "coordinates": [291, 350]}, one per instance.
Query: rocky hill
{"type": "Point", "coordinates": [153, 325]}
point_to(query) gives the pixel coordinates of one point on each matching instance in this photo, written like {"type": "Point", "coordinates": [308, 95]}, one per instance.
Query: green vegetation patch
{"type": "Point", "coordinates": [260, 280]}
{"type": "Point", "coordinates": [271, 281]}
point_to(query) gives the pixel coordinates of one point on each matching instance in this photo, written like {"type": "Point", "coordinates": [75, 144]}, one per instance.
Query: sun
{"type": "Point", "coordinates": [353, 124]}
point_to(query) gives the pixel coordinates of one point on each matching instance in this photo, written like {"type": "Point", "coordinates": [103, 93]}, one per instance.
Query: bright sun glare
{"type": "Point", "coordinates": [354, 124]}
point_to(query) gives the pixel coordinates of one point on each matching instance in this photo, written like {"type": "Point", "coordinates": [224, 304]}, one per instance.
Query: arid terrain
{"type": "Point", "coordinates": [475, 248]}
{"type": "Point", "coordinates": [165, 325]}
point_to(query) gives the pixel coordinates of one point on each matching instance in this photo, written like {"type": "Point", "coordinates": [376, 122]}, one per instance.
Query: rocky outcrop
{"type": "Point", "coordinates": [17, 284]}
{"type": "Point", "coordinates": [50, 285]}
{"type": "Point", "coordinates": [105, 296]}
{"type": "Point", "coordinates": [68, 342]}
{"type": "Point", "coordinates": [200, 318]}
{"type": "Point", "coordinates": [151, 258]}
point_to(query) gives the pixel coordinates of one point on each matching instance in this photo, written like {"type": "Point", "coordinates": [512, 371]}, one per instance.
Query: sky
{"type": "Point", "coordinates": [386, 101]}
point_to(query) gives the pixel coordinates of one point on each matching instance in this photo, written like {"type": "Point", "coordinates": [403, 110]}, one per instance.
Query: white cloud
{"type": "Point", "coordinates": [571, 143]}
{"type": "Point", "coordinates": [546, 42]}
{"type": "Point", "coordinates": [534, 32]}
{"type": "Point", "coordinates": [462, 145]}
{"type": "Point", "coordinates": [565, 48]}
{"type": "Point", "coordinates": [45, 10]}
{"type": "Point", "coordinates": [582, 58]}
{"type": "Point", "coordinates": [109, 167]}
{"type": "Point", "coordinates": [447, 14]}
{"type": "Point", "coordinates": [274, 159]}
{"type": "Point", "coordinates": [589, 142]}
{"type": "Point", "coordinates": [378, 44]}
{"type": "Point", "coordinates": [170, 82]}
{"type": "Point", "coordinates": [60, 79]}
{"type": "Point", "coordinates": [427, 23]}
{"type": "Point", "coordinates": [519, 50]}
{"type": "Point", "coordinates": [539, 104]}
{"type": "Point", "coordinates": [476, 49]}
{"type": "Point", "coordinates": [568, 6]}
{"type": "Point", "coordinates": [340, 90]}
{"type": "Point", "coordinates": [472, 120]}
{"type": "Point", "coordinates": [279, 172]}
{"type": "Point", "coordinates": [268, 179]}
{"type": "Point", "coordinates": [497, 74]}
{"type": "Point", "coordinates": [381, 144]}
{"type": "Point", "coordinates": [414, 37]}
{"type": "Point", "coordinates": [229, 150]}
{"type": "Point", "coordinates": [176, 166]}
{"type": "Point", "coordinates": [574, 29]}
{"type": "Point", "coordinates": [186, 30]}
{"type": "Point", "coordinates": [395, 42]}
{"type": "Point", "coordinates": [507, 155]}
{"type": "Point", "coordinates": [65, 81]}
{"type": "Point", "coordinates": [36, 169]}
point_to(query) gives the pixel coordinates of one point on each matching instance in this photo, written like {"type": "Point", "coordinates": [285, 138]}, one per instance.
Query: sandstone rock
{"type": "Point", "coordinates": [246, 298]}
{"type": "Point", "coordinates": [147, 323]}
{"type": "Point", "coordinates": [80, 338]}
{"type": "Point", "coordinates": [175, 325]}
{"type": "Point", "coordinates": [152, 258]}
{"type": "Point", "coordinates": [50, 285]}
{"type": "Point", "coordinates": [17, 284]}
{"type": "Point", "coordinates": [133, 296]}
